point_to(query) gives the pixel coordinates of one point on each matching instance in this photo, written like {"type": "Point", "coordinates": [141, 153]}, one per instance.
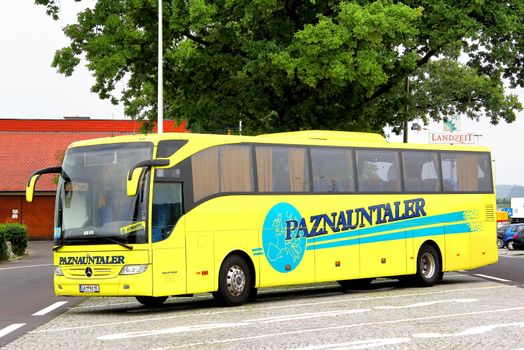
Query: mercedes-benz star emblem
{"type": "Point", "coordinates": [89, 272]}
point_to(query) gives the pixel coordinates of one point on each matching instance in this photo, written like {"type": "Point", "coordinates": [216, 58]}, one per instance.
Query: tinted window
{"type": "Point", "coordinates": [378, 171]}
{"type": "Point", "coordinates": [421, 171]}
{"type": "Point", "coordinates": [168, 147]}
{"type": "Point", "coordinates": [282, 169]}
{"type": "Point", "coordinates": [332, 170]}
{"type": "Point", "coordinates": [167, 208]}
{"type": "Point", "coordinates": [466, 172]}
{"type": "Point", "coordinates": [222, 169]}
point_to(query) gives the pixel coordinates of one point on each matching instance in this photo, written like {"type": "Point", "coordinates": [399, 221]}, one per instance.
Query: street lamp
{"type": "Point", "coordinates": [160, 92]}
{"type": "Point", "coordinates": [477, 137]}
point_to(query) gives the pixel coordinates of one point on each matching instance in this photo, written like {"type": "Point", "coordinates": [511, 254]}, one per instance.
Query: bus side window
{"type": "Point", "coordinates": [222, 169]}
{"type": "Point", "coordinates": [420, 171]}
{"type": "Point", "coordinates": [282, 169]}
{"type": "Point", "coordinates": [449, 172]}
{"type": "Point", "coordinates": [378, 170]}
{"type": "Point", "coordinates": [332, 170]}
{"type": "Point", "coordinates": [467, 172]}
{"type": "Point", "coordinates": [167, 208]}
{"type": "Point", "coordinates": [484, 174]}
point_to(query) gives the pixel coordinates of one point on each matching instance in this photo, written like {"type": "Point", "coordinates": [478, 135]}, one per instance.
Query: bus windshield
{"type": "Point", "coordinates": [92, 203]}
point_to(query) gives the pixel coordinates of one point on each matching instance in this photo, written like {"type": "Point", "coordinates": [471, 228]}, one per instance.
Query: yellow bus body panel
{"type": "Point", "coordinates": [170, 264]}
{"type": "Point", "coordinates": [236, 224]}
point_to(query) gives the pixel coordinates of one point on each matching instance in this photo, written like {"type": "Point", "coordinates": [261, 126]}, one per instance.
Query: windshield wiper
{"type": "Point", "coordinates": [58, 246]}
{"type": "Point", "coordinates": [117, 242]}
{"type": "Point", "coordinates": [61, 244]}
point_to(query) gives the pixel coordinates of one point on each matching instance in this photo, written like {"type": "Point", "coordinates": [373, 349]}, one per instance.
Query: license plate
{"type": "Point", "coordinates": [89, 288]}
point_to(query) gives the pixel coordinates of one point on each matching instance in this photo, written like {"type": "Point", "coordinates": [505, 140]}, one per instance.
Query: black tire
{"type": "Point", "coordinates": [234, 282]}
{"type": "Point", "coordinates": [429, 266]}
{"type": "Point", "coordinates": [500, 243]}
{"type": "Point", "coordinates": [509, 245]}
{"type": "Point", "coordinates": [151, 301]}
{"type": "Point", "coordinates": [362, 283]}
{"type": "Point", "coordinates": [440, 276]}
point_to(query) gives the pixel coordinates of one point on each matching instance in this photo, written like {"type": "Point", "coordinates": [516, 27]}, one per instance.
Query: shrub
{"type": "Point", "coordinates": [17, 235]}
{"type": "Point", "coordinates": [3, 246]}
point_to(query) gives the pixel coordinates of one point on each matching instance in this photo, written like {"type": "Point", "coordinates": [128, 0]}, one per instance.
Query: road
{"type": "Point", "coordinates": [27, 300]}
{"type": "Point", "coordinates": [467, 310]}
{"type": "Point", "coordinates": [509, 269]}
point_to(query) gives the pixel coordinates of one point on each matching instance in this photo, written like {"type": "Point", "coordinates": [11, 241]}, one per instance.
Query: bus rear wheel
{"type": "Point", "coordinates": [429, 266]}
{"type": "Point", "coordinates": [234, 282]}
{"type": "Point", "coordinates": [151, 301]}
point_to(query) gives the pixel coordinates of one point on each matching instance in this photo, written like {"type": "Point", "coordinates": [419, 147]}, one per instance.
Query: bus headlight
{"type": "Point", "coordinates": [133, 269]}
{"type": "Point", "coordinates": [58, 271]}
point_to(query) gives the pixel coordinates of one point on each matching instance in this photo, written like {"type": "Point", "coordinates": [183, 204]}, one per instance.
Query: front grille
{"type": "Point", "coordinates": [98, 272]}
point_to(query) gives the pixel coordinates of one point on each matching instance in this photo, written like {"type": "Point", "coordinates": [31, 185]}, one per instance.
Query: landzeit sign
{"type": "Point", "coordinates": [452, 137]}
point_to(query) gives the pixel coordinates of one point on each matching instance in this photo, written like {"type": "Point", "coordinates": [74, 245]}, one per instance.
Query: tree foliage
{"type": "Point", "coordinates": [288, 64]}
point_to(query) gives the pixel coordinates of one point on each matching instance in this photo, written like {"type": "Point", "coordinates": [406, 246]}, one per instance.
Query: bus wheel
{"type": "Point", "coordinates": [234, 283]}
{"type": "Point", "coordinates": [151, 301]}
{"type": "Point", "coordinates": [362, 283]}
{"type": "Point", "coordinates": [428, 266]}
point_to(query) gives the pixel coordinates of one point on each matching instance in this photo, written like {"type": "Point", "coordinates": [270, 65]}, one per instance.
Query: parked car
{"type": "Point", "coordinates": [518, 240]}
{"type": "Point", "coordinates": [513, 237]}
{"type": "Point", "coordinates": [500, 235]}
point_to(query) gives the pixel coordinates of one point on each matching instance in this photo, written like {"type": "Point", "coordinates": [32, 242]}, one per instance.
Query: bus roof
{"type": "Point", "coordinates": [328, 135]}
{"type": "Point", "coordinates": [306, 137]}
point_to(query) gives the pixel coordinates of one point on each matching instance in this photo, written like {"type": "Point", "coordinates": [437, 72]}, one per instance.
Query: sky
{"type": "Point", "coordinates": [31, 89]}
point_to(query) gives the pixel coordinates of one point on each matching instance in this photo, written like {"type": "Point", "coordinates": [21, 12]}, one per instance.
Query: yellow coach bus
{"type": "Point", "coordinates": [178, 214]}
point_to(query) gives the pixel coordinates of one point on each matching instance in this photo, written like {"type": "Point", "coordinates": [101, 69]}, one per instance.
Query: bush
{"type": "Point", "coordinates": [17, 235]}
{"type": "Point", "coordinates": [3, 246]}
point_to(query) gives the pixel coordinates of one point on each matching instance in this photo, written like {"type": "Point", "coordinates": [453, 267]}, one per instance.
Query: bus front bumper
{"type": "Point", "coordinates": [121, 285]}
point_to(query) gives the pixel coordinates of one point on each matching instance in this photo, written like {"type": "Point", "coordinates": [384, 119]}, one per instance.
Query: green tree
{"type": "Point", "coordinates": [287, 64]}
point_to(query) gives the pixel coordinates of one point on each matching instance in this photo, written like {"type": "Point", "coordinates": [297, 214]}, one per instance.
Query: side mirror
{"type": "Point", "coordinates": [30, 188]}
{"type": "Point", "coordinates": [132, 181]}
{"type": "Point", "coordinates": [134, 175]}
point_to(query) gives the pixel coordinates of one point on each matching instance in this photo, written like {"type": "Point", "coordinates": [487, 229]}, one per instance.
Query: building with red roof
{"type": "Point", "coordinates": [27, 145]}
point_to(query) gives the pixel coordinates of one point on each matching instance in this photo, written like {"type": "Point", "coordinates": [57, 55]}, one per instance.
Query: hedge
{"type": "Point", "coordinates": [17, 235]}
{"type": "Point", "coordinates": [4, 255]}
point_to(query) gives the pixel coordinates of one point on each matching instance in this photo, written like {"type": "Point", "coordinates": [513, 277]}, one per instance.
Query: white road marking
{"type": "Point", "coordinates": [322, 329]}
{"type": "Point", "coordinates": [455, 275]}
{"type": "Point", "coordinates": [424, 304]}
{"type": "Point", "coordinates": [24, 267]}
{"type": "Point", "coordinates": [492, 278]}
{"type": "Point", "coordinates": [183, 329]}
{"type": "Point", "coordinates": [294, 317]}
{"type": "Point", "coordinates": [469, 331]}
{"type": "Point", "coordinates": [287, 306]}
{"type": "Point", "coordinates": [11, 328]}
{"type": "Point", "coordinates": [50, 308]}
{"type": "Point", "coordinates": [358, 344]}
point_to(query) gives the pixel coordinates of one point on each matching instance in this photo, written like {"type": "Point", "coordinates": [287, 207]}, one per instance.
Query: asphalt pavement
{"type": "Point", "coordinates": [26, 288]}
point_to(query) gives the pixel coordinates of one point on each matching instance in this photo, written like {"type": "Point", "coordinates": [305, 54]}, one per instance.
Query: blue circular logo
{"type": "Point", "coordinates": [283, 249]}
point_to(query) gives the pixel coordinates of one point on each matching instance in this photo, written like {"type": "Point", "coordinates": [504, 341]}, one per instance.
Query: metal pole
{"type": "Point", "coordinates": [407, 112]}
{"type": "Point", "coordinates": [160, 103]}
